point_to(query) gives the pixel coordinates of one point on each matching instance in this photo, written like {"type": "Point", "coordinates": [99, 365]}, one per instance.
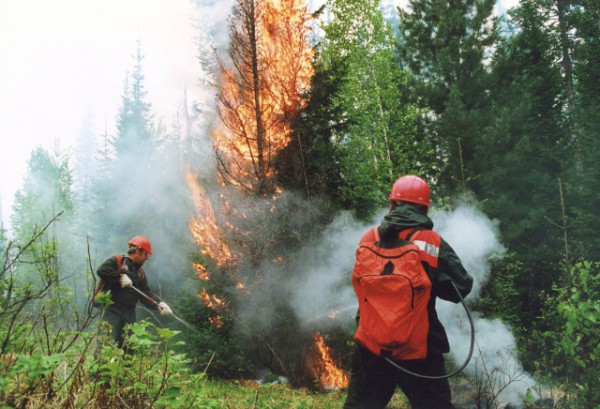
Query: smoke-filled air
{"type": "Point", "coordinates": [184, 186]}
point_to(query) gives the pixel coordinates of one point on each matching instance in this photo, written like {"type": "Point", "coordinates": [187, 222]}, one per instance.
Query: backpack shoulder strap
{"type": "Point", "coordinates": [120, 261]}
{"type": "Point", "coordinates": [429, 243]}
{"type": "Point", "coordinates": [376, 233]}
{"type": "Point", "coordinates": [408, 233]}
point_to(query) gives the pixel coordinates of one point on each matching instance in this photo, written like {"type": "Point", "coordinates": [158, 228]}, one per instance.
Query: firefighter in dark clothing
{"type": "Point", "coordinates": [373, 380]}
{"type": "Point", "coordinates": [119, 277]}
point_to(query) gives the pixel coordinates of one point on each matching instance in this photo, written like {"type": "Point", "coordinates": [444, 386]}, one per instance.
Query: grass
{"type": "Point", "coordinates": [250, 394]}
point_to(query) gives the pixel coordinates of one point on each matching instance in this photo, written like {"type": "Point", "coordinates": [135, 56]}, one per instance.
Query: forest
{"type": "Point", "coordinates": [255, 197]}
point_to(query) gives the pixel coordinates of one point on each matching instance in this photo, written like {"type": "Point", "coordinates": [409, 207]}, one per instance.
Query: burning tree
{"type": "Point", "coordinates": [268, 69]}
{"type": "Point", "coordinates": [248, 231]}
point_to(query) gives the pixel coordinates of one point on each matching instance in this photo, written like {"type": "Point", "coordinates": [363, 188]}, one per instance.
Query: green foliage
{"type": "Point", "coordinates": [46, 191]}
{"type": "Point", "coordinates": [151, 374]}
{"type": "Point", "coordinates": [582, 181]}
{"type": "Point", "coordinates": [310, 163]}
{"type": "Point", "coordinates": [103, 299]}
{"type": "Point", "coordinates": [213, 349]}
{"type": "Point", "coordinates": [376, 142]}
{"type": "Point", "coordinates": [579, 307]}
{"type": "Point", "coordinates": [444, 45]}
{"type": "Point", "coordinates": [571, 335]}
{"type": "Point", "coordinates": [523, 150]}
{"type": "Point", "coordinates": [500, 297]}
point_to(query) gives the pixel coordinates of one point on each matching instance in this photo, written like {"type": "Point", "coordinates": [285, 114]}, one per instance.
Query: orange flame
{"type": "Point", "coordinates": [261, 93]}
{"type": "Point", "coordinates": [211, 302]}
{"type": "Point", "coordinates": [204, 227]}
{"type": "Point", "coordinates": [214, 304]}
{"type": "Point", "coordinates": [201, 271]}
{"type": "Point", "coordinates": [255, 126]}
{"type": "Point", "coordinates": [216, 321]}
{"type": "Point", "coordinates": [330, 376]}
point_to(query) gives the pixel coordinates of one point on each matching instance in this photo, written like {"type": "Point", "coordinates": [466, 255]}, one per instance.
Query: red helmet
{"type": "Point", "coordinates": [411, 189]}
{"type": "Point", "coordinates": [141, 242]}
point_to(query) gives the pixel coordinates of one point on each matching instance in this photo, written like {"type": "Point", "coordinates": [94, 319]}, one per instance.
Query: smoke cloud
{"type": "Point", "coordinates": [324, 275]}
{"type": "Point", "coordinates": [474, 237]}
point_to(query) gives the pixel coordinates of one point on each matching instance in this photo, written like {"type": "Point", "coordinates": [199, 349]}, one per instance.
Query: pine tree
{"type": "Point", "coordinates": [446, 45]}
{"type": "Point", "coordinates": [311, 162]}
{"type": "Point", "coordinates": [583, 179]}
{"type": "Point", "coordinates": [267, 69]}
{"type": "Point", "coordinates": [134, 139]}
{"type": "Point", "coordinates": [523, 152]}
{"type": "Point", "coordinates": [46, 194]}
{"type": "Point", "coordinates": [84, 170]}
{"type": "Point", "coordinates": [124, 197]}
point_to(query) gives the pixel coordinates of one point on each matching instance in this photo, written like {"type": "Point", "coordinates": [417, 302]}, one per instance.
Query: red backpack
{"type": "Point", "coordinates": [393, 292]}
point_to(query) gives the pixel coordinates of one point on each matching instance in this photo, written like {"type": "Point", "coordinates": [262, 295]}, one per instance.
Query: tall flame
{"type": "Point", "coordinates": [204, 226]}
{"type": "Point", "coordinates": [329, 374]}
{"type": "Point", "coordinates": [262, 89]}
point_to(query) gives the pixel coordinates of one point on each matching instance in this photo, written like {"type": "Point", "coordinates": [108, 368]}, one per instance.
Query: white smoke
{"type": "Point", "coordinates": [325, 274]}
{"type": "Point", "coordinates": [474, 238]}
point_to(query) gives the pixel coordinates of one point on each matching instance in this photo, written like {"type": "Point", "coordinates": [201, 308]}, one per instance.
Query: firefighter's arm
{"type": "Point", "coordinates": [450, 269]}
{"type": "Point", "coordinates": [109, 271]}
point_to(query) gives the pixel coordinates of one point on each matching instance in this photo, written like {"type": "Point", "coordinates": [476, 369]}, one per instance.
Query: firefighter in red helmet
{"type": "Point", "coordinates": [119, 274]}
{"type": "Point", "coordinates": [373, 379]}
{"type": "Point", "coordinates": [411, 189]}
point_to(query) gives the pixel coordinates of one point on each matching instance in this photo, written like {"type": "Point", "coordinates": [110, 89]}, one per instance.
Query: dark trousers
{"type": "Point", "coordinates": [373, 382]}
{"type": "Point", "coordinates": [118, 318]}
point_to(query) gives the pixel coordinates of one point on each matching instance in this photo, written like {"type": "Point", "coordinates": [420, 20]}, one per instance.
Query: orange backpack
{"type": "Point", "coordinates": [393, 292]}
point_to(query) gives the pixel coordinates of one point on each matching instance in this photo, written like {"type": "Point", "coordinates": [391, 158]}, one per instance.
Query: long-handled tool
{"type": "Point", "coordinates": [153, 301]}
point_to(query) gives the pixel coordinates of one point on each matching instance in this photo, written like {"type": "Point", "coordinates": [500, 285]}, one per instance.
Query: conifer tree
{"type": "Point", "coordinates": [85, 168]}
{"type": "Point", "coordinates": [583, 178]}
{"type": "Point", "coordinates": [46, 194]}
{"type": "Point", "coordinates": [124, 196]}
{"type": "Point", "coordinates": [267, 68]}
{"type": "Point", "coordinates": [522, 154]}
{"type": "Point", "coordinates": [446, 46]}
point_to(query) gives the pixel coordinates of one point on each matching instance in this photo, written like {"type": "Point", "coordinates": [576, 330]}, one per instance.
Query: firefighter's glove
{"type": "Point", "coordinates": [125, 281]}
{"type": "Point", "coordinates": [164, 308]}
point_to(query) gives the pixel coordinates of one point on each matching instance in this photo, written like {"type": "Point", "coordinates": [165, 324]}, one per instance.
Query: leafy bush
{"type": "Point", "coordinates": [51, 356]}
{"type": "Point", "coordinates": [571, 341]}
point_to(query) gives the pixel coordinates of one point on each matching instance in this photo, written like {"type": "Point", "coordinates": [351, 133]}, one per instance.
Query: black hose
{"type": "Point", "coordinates": [463, 366]}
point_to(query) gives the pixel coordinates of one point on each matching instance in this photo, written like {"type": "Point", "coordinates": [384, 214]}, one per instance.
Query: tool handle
{"type": "Point", "coordinates": [152, 300]}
